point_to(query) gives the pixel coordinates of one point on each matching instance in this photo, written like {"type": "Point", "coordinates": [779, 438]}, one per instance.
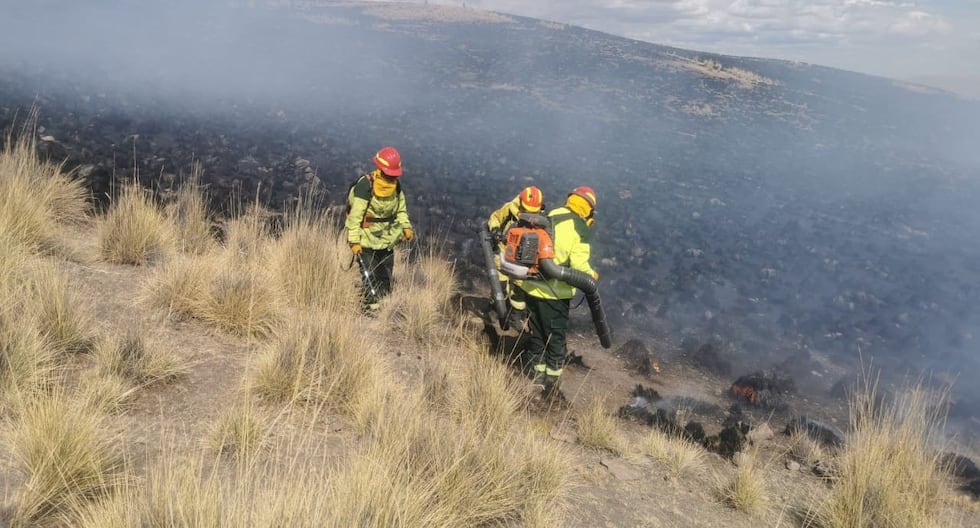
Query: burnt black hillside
{"type": "Point", "coordinates": [783, 212]}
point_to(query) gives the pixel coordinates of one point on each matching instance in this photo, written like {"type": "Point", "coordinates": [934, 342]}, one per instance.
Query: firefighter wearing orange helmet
{"type": "Point", "coordinates": [377, 220]}
{"type": "Point", "coordinates": [548, 300]}
{"type": "Point", "coordinates": [530, 200]}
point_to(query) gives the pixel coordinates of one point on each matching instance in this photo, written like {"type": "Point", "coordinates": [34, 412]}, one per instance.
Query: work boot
{"type": "Point", "coordinates": [551, 390]}
{"type": "Point", "coordinates": [371, 309]}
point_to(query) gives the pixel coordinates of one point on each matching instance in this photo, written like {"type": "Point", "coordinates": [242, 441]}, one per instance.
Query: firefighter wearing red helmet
{"type": "Point", "coordinates": [548, 300]}
{"type": "Point", "coordinates": [530, 200]}
{"type": "Point", "coordinates": [377, 220]}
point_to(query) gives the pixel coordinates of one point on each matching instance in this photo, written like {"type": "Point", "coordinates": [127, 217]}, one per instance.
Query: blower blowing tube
{"type": "Point", "coordinates": [499, 300]}
{"type": "Point", "coordinates": [589, 287]}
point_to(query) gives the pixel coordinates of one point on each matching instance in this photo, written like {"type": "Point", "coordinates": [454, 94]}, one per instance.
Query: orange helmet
{"type": "Point", "coordinates": [532, 199]}
{"type": "Point", "coordinates": [389, 161]}
{"type": "Point", "coordinates": [585, 192]}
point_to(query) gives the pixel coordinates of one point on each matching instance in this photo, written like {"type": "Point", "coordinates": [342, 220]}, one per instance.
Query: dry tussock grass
{"type": "Point", "coordinates": [485, 398]}
{"type": "Point", "coordinates": [805, 449]}
{"type": "Point", "coordinates": [241, 430]}
{"type": "Point", "coordinates": [189, 213]}
{"type": "Point", "coordinates": [746, 490]}
{"type": "Point", "coordinates": [889, 472]}
{"type": "Point", "coordinates": [138, 357]}
{"type": "Point", "coordinates": [134, 230]}
{"type": "Point", "coordinates": [67, 456]}
{"type": "Point", "coordinates": [230, 288]}
{"type": "Point", "coordinates": [323, 358]}
{"type": "Point", "coordinates": [37, 198]}
{"type": "Point", "coordinates": [180, 285]}
{"type": "Point", "coordinates": [445, 475]}
{"type": "Point", "coordinates": [63, 315]}
{"type": "Point", "coordinates": [599, 429]}
{"type": "Point", "coordinates": [306, 261]}
{"type": "Point", "coordinates": [106, 392]}
{"type": "Point", "coordinates": [419, 303]}
{"type": "Point", "coordinates": [681, 456]}
{"type": "Point", "coordinates": [28, 365]}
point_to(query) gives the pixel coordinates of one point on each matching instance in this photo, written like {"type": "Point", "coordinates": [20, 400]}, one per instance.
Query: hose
{"type": "Point", "coordinates": [589, 287]}
{"type": "Point", "coordinates": [499, 300]}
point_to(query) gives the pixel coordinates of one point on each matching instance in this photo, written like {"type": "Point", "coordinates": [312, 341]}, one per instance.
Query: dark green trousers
{"type": "Point", "coordinates": [380, 264]}
{"type": "Point", "coordinates": [548, 321]}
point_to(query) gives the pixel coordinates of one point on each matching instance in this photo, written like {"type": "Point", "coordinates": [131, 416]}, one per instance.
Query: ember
{"type": "Point", "coordinates": [763, 389]}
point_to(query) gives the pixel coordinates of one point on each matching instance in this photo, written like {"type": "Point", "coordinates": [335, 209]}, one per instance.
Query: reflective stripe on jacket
{"type": "Point", "coordinates": [375, 222]}
{"type": "Point", "coordinates": [571, 238]}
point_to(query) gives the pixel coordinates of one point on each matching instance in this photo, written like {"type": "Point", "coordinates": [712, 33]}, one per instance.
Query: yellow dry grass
{"type": "Point", "coordinates": [135, 231]}
{"type": "Point", "coordinates": [189, 214]}
{"type": "Point", "coordinates": [681, 456]}
{"type": "Point", "coordinates": [66, 454]}
{"type": "Point", "coordinates": [746, 489]}
{"type": "Point", "coordinates": [889, 472]}
{"type": "Point", "coordinates": [599, 429]}
{"type": "Point", "coordinates": [37, 198]}
{"type": "Point", "coordinates": [323, 359]}
{"type": "Point", "coordinates": [137, 357]}
{"type": "Point", "coordinates": [419, 303]}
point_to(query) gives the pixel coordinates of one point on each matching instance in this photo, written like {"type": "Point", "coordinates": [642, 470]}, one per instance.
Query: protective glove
{"type": "Point", "coordinates": [498, 235]}
{"type": "Point", "coordinates": [409, 235]}
{"type": "Point", "coordinates": [355, 249]}
{"type": "Point", "coordinates": [595, 274]}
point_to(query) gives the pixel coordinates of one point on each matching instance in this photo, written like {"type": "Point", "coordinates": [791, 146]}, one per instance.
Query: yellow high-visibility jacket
{"type": "Point", "coordinates": [506, 215]}
{"type": "Point", "coordinates": [572, 250]}
{"type": "Point", "coordinates": [375, 222]}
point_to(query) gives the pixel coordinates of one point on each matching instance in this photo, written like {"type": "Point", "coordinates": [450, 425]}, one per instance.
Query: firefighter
{"type": "Point", "coordinates": [530, 200]}
{"type": "Point", "coordinates": [548, 300]}
{"type": "Point", "coordinates": [377, 219]}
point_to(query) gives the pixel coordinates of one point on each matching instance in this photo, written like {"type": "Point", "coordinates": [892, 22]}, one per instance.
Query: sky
{"type": "Point", "coordinates": [901, 39]}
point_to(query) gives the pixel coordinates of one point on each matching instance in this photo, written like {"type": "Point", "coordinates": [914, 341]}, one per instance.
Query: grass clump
{"type": "Point", "coordinates": [889, 472]}
{"type": "Point", "coordinates": [27, 363]}
{"type": "Point", "coordinates": [306, 260]}
{"type": "Point", "coordinates": [323, 358]}
{"type": "Point", "coordinates": [189, 213]}
{"type": "Point", "coordinates": [241, 430]}
{"type": "Point", "coordinates": [63, 316]}
{"type": "Point", "coordinates": [420, 299]}
{"type": "Point", "coordinates": [746, 490]}
{"type": "Point", "coordinates": [681, 456]}
{"type": "Point", "coordinates": [599, 429]}
{"type": "Point", "coordinates": [67, 456]}
{"type": "Point", "coordinates": [134, 230]}
{"type": "Point", "coordinates": [436, 473]}
{"type": "Point", "coordinates": [37, 198]}
{"type": "Point", "coordinates": [136, 357]}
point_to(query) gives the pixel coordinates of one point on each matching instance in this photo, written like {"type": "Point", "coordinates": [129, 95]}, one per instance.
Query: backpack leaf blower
{"type": "Point", "coordinates": [530, 254]}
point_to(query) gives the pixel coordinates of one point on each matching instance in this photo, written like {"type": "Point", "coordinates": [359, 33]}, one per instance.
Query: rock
{"type": "Point", "coordinates": [761, 433]}
{"type": "Point", "coordinates": [822, 432]}
{"type": "Point", "coordinates": [792, 465]}
{"type": "Point", "coordinates": [620, 470]}
{"type": "Point", "coordinates": [960, 466]}
{"type": "Point", "coordinates": [822, 469]}
{"type": "Point", "coordinates": [563, 434]}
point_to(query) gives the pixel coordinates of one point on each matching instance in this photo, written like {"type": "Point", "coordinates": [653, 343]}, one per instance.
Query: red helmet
{"type": "Point", "coordinates": [389, 161]}
{"type": "Point", "coordinates": [531, 199]}
{"type": "Point", "coordinates": [585, 192]}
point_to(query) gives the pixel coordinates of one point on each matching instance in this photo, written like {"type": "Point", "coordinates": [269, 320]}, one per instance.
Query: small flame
{"type": "Point", "coordinates": [655, 365]}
